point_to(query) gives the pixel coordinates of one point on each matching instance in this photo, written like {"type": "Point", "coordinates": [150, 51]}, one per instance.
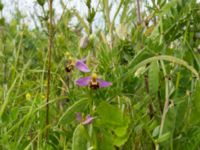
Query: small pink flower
{"type": "Point", "coordinates": [84, 120]}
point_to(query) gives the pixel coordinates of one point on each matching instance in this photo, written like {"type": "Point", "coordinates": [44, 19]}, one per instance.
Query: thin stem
{"type": "Point", "coordinates": [5, 86]}
{"type": "Point", "coordinates": [138, 12]}
{"type": "Point", "coordinates": [159, 98]}
{"type": "Point", "coordinates": [106, 12]}
{"type": "Point", "coordinates": [166, 105]}
{"type": "Point", "coordinates": [50, 46]}
{"type": "Point", "coordinates": [112, 24]}
{"type": "Point", "coordinates": [146, 81]}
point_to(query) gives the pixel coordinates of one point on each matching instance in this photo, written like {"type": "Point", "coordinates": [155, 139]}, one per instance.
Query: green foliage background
{"type": "Point", "coordinates": [154, 65]}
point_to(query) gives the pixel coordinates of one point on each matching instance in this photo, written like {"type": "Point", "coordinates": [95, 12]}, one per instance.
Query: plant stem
{"type": "Point", "coordinates": [50, 46]}
{"type": "Point", "coordinates": [138, 12]}
{"type": "Point", "coordinates": [165, 110]}
{"type": "Point", "coordinates": [5, 86]}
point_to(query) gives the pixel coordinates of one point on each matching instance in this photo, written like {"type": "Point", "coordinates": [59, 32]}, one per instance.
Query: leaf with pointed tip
{"type": "Point", "coordinates": [153, 78]}
{"type": "Point", "coordinates": [110, 115]}
{"type": "Point", "coordinates": [80, 138]}
{"type": "Point", "coordinates": [70, 114]}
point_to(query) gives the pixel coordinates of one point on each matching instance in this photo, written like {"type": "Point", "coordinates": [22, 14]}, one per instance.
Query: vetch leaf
{"type": "Point", "coordinates": [80, 138]}
{"type": "Point", "coordinates": [119, 141]}
{"type": "Point", "coordinates": [121, 131]}
{"type": "Point", "coordinates": [105, 140]}
{"type": "Point", "coordinates": [156, 131]}
{"type": "Point", "coordinates": [163, 138]}
{"type": "Point", "coordinates": [70, 114]}
{"type": "Point", "coordinates": [153, 78]}
{"type": "Point", "coordinates": [196, 97]}
{"type": "Point", "coordinates": [110, 115]}
{"type": "Point", "coordinates": [194, 116]}
{"type": "Point", "coordinates": [169, 125]}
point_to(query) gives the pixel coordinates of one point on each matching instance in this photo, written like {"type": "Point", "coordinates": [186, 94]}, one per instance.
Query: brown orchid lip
{"type": "Point", "coordinates": [69, 67]}
{"type": "Point", "coordinates": [94, 85]}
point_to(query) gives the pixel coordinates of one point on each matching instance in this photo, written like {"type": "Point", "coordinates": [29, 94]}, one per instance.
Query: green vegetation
{"type": "Point", "coordinates": [151, 56]}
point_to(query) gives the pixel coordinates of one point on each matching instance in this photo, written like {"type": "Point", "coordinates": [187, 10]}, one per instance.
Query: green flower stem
{"type": "Point", "coordinates": [50, 47]}
{"type": "Point", "coordinates": [91, 104]}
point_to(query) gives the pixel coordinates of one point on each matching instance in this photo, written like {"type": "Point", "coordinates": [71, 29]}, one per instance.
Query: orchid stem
{"type": "Point", "coordinates": [50, 46]}
{"type": "Point", "coordinates": [90, 129]}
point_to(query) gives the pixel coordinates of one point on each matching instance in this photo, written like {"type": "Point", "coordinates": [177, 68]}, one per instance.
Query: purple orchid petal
{"type": "Point", "coordinates": [103, 83]}
{"type": "Point", "coordinates": [83, 81]}
{"type": "Point", "coordinates": [88, 120]}
{"type": "Point", "coordinates": [81, 66]}
{"type": "Point", "coordinates": [79, 117]}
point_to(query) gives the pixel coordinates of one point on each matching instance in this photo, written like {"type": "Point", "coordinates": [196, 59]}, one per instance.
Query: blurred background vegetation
{"type": "Point", "coordinates": [150, 52]}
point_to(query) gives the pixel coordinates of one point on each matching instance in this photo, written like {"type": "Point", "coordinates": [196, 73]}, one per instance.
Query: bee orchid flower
{"type": "Point", "coordinates": [93, 82]}
{"type": "Point", "coordinates": [84, 120]}
{"type": "Point", "coordinates": [79, 64]}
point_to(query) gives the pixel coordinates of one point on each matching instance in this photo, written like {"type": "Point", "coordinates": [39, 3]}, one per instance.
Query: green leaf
{"type": "Point", "coordinates": [169, 126]}
{"type": "Point", "coordinates": [110, 115]}
{"type": "Point", "coordinates": [121, 131]}
{"type": "Point", "coordinates": [167, 7]}
{"type": "Point", "coordinates": [196, 97]}
{"type": "Point", "coordinates": [2, 21]}
{"type": "Point", "coordinates": [104, 140]}
{"type": "Point", "coordinates": [82, 21]}
{"type": "Point", "coordinates": [80, 138]}
{"type": "Point", "coordinates": [119, 141]}
{"type": "Point", "coordinates": [140, 56]}
{"type": "Point", "coordinates": [166, 58]}
{"type": "Point", "coordinates": [194, 116]}
{"type": "Point", "coordinates": [121, 135]}
{"type": "Point", "coordinates": [1, 6]}
{"type": "Point", "coordinates": [182, 110]}
{"type": "Point", "coordinates": [163, 138]}
{"type": "Point", "coordinates": [153, 78]}
{"type": "Point", "coordinates": [41, 2]}
{"type": "Point", "coordinates": [70, 114]}
{"type": "Point", "coordinates": [156, 131]}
